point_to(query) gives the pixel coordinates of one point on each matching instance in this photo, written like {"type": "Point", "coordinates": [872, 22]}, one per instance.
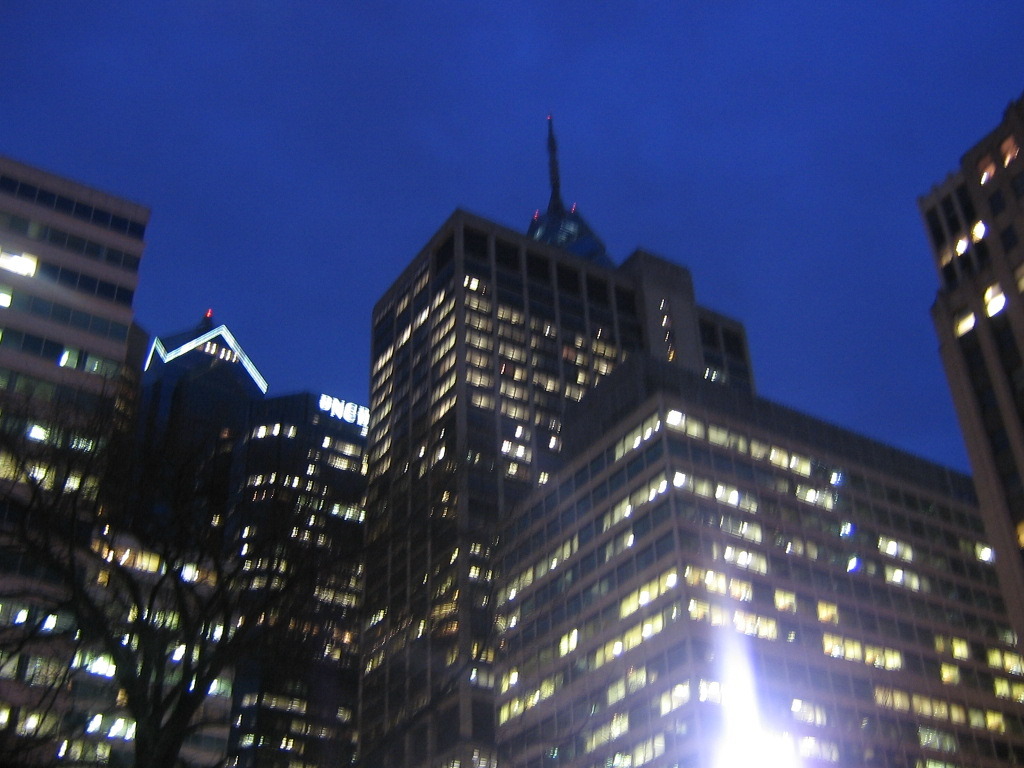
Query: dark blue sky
{"type": "Point", "coordinates": [297, 154]}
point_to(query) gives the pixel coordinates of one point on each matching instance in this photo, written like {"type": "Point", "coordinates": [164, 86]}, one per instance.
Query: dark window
{"type": "Point", "coordinates": [1008, 237]}
{"type": "Point", "coordinates": [568, 280]}
{"type": "Point", "coordinates": [27, 191]}
{"type": "Point", "coordinates": [506, 256]}
{"type": "Point", "coordinates": [76, 244]}
{"type": "Point", "coordinates": [82, 211]}
{"type": "Point", "coordinates": [106, 290]}
{"type": "Point", "coordinates": [966, 204]}
{"type": "Point", "coordinates": [733, 343]}
{"type": "Point", "coordinates": [949, 275]}
{"type": "Point", "coordinates": [79, 320]}
{"type": "Point", "coordinates": [949, 213]}
{"type": "Point", "coordinates": [444, 254]}
{"type": "Point", "coordinates": [626, 300]}
{"type": "Point", "coordinates": [475, 244]}
{"type": "Point", "coordinates": [1017, 182]}
{"type": "Point", "coordinates": [708, 334]}
{"type": "Point", "coordinates": [538, 268]}
{"type": "Point", "coordinates": [996, 202]}
{"type": "Point", "coordinates": [935, 227]}
{"type": "Point", "coordinates": [981, 254]}
{"type": "Point", "coordinates": [597, 290]}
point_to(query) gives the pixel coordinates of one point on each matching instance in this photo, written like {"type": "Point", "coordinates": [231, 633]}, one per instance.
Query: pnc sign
{"type": "Point", "coordinates": [345, 410]}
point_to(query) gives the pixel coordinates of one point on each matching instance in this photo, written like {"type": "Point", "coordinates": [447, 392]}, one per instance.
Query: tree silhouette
{"type": "Point", "coordinates": [129, 588]}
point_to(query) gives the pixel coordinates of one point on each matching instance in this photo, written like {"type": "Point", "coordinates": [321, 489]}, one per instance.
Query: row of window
{"type": "Point", "coordinates": [63, 314]}
{"type": "Point", "coordinates": [745, 529]}
{"type": "Point", "coordinates": [76, 208]}
{"type": "Point", "coordinates": [822, 494]}
{"type": "Point", "coordinates": [65, 357]}
{"type": "Point", "coordinates": [36, 230]}
{"type": "Point", "coordinates": [780, 679]}
{"type": "Point", "coordinates": [27, 265]}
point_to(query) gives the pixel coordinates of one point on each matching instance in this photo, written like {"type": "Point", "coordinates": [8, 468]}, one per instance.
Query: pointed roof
{"type": "Point", "coordinates": [174, 346]}
{"type": "Point", "coordinates": [563, 228]}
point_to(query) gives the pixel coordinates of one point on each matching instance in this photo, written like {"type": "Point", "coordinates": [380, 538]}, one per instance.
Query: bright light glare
{"type": "Point", "coordinates": [744, 741]}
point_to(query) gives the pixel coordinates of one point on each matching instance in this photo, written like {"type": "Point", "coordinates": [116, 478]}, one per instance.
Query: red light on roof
{"type": "Point", "coordinates": [536, 214]}
{"type": "Point", "coordinates": [573, 209]}
{"type": "Point", "coordinates": [209, 313]}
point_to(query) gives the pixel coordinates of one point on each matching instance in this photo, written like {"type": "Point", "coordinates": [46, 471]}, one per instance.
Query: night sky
{"type": "Point", "coordinates": [296, 155]}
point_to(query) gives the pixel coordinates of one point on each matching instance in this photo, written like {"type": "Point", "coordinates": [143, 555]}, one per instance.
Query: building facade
{"type": "Point", "coordinates": [715, 580]}
{"type": "Point", "coordinates": [69, 264]}
{"type": "Point", "coordinates": [477, 348]}
{"type": "Point", "coordinates": [975, 220]}
{"type": "Point", "coordinates": [295, 702]}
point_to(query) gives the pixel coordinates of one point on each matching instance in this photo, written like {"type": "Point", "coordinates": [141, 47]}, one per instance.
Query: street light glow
{"type": "Point", "coordinates": [744, 741]}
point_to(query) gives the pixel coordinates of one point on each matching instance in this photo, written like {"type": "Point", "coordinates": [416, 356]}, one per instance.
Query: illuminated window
{"type": "Point", "coordinates": [754, 561]}
{"type": "Point", "coordinates": [995, 300]}
{"type": "Point", "coordinates": [568, 642]}
{"type": "Point", "coordinates": [949, 674]}
{"type": "Point", "coordinates": [828, 613]}
{"type": "Point", "coordinates": [674, 698]}
{"type": "Point", "coordinates": [806, 712]}
{"type": "Point", "coordinates": [986, 169]}
{"type": "Point", "coordinates": [895, 548]}
{"type": "Point", "coordinates": [964, 323]}
{"type": "Point", "coordinates": [19, 263]}
{"type": "Point", "coordinates": [994, 721]}
{"type": "Point", "coordinates": [38, 433]}
{"type": "Point", "coordinates": [785, 601]}
{"type": "Point", "coordinates": [960, 648]}
{"type": "Point", "coordinates": [1009, 150]}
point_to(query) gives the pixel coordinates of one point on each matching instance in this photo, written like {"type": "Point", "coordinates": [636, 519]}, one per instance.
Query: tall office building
{"type": "Point", "coordinates": [975, 219]}
{"type": "Point", "coordinates": [69, 262]}
{"type": "Point", "coordinates": [477, 348]}
{"type": "Point", "coordinates": [198, 388]}
{"type": "Point", "coordinates": [288, 473]}
{"type": "Point", "coordinates": [295, 702]}
{"type": "Point", "coordinates": [715, 580]}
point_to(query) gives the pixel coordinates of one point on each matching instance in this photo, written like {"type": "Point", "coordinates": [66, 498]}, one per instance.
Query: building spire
{"type": "Point", "coordinates": [555, 205]}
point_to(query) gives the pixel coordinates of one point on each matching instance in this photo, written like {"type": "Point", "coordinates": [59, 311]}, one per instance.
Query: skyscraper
{"type": "Point", "coordinates": [477, 348]}
{"type": "Point", "coordinates": [288, 472]}
{"type": "Point", "coordinates": [296, 701]}
{"type": "Point", "coordinates": [975, 219]}
{"type": "Point", "coordinates": [716, 580]}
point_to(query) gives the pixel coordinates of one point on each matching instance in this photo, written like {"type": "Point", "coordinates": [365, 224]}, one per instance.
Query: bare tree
{"type": "Point", "coordinates": [130, 587]}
